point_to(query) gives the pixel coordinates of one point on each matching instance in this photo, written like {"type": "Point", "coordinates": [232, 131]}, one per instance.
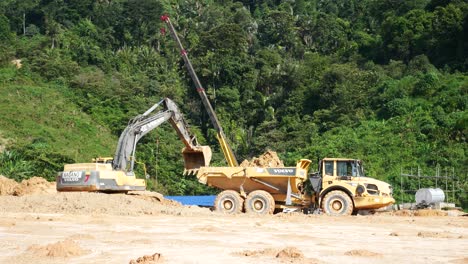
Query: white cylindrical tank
{"type": "Point", "coordinates": [429, 196]}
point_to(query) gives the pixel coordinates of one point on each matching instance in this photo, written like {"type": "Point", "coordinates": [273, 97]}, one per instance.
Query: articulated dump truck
{"type": "Point", "coordinates": [338, 188]}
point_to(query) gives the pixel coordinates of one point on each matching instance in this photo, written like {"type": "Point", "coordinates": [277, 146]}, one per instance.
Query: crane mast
{"type": "Point", "coordinates": [227, 150]}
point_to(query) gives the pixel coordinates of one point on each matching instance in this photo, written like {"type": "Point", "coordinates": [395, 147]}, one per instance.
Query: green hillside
{"type": "Point", "coordinates": [42, 119]}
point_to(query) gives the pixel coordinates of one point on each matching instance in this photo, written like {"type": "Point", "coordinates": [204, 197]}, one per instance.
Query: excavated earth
{"type": "Point", "coordinates": [39, 225]}
{"type": "Point", "coordinates": [268, 159]}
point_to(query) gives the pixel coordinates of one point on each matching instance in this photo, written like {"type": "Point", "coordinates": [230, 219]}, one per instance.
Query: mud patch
{"type": "Point", "coordinates": [258, 253]}
{"type": "Point", "coordinates": [141, 241]}
{"type": "Point", "coordinates": [64, 249]}
{"type": "Point", "coordinates": [427, 212]}
{"type": "Point", "coordinates": [148, 259]}
{"type": "Point", "coordinates": [460, 261]}
{"type": "Point", "coordinates": [206, 229]}
{"type": "Point", "coordinates": [269, 159]}
{"type": "Point", "coordinates": [282, 254]}
{"type": "Point", "coordinates": [426, 234]}
{"type": "Point", "coordinates": [81, 237]}
{"type": "Point", "coordinates": [422, 213]}
{"type": "Point", "coordinates": [362, 253]}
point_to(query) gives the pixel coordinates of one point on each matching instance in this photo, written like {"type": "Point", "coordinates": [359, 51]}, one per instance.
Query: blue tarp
{"type": "Point", "coordinates": [201, 200]}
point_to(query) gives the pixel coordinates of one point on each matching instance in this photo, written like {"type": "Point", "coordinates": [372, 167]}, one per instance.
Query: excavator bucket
{"type": "Point", "coordinates": [195, 158]}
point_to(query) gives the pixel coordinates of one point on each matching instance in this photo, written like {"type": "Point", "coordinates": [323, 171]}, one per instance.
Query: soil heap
{"type": "Point", "coordinates": [269, 159]}
{"type": "Point", "coordinates": [34, 185]}
{"type": "Point", "coordinates": [64, 249]}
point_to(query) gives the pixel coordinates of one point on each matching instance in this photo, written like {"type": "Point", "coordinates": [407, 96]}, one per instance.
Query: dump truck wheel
{"type": "Point", "coordinates": [259, 202]}
{"type": "Point", "coordinates": [337, 203]}
{"type": "Point", "coordinates": [228, 202]}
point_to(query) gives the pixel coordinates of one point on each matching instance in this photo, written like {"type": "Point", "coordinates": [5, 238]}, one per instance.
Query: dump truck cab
{"type": "Point", "coordinates": [341, 187]}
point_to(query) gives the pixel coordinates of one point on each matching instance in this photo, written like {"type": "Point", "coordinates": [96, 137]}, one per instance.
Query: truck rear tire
{"type": "Point", "coordinates": [337, 203]}
{"type": "Point", "coordinates": [259, 202]}
{"type": "Point", "coordinates": [229, 202]}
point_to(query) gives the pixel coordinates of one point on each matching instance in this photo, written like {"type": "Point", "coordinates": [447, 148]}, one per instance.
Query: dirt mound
{"type": "Point", "coordinates": [7, 186]}
{"type": "Point", "coordinates": [425, 234]}
{"type": "Point", "coordinates": [290, 253]}
{"type": "Point", "coordinates": [148, 259]}
{"type": "Point", "coordinates": [421, 212]}
{"type": "Point", "coordinates": [93, 203]}
{"type": "Point", "coordinates": [460, 261]}
{"type": "Point", "coordinates": [269, 159]}
{"type": "Point", "coordinates": [362, 253]}
{"type": "Point", "coordinates": [34, 185]}
{"type": "Point", "coordinates": [154, 197]}
{"type": "Point", "coordinates": [284, 254]}
{"type": "Point", "coordinates": [428, 212]}
{"type": "Point", "coordinates": [64, 249]}
{"type": "Point", "coordinates": [258, 253]}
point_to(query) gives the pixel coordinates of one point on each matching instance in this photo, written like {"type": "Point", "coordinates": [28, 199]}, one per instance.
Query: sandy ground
{"type": "Point", "coordinates": [194, 235]}
{"type": "Point", "coordinates": [39, 225]}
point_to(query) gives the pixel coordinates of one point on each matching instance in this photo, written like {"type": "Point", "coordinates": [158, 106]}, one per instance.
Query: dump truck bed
{"type": "Point", "coordinates": [276, 181]}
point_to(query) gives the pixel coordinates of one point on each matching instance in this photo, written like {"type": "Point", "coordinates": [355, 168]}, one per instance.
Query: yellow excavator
{"type": "Point", "coordinates": [116, 174]}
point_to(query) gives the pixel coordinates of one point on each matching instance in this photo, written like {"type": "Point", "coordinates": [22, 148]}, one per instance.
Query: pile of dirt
{"type": "Point", "coordinates": [34, 185]}
{"type": "Point", "coordinates": [64, 249]}
{"type": "Point", "coordinates": [148, 259]}
{"type": "Point", "coordinates": [7, 186]}
{"type": "Point", "coordinates": [94, 203]}
{"type": "Point", "coordinates": [290, 253]}
{"type": "Point", "coordinates": [426, 234]}
{"type": "Point", "coordinates": [421, 212]}
{"type": "Point", "coordinates": [154, 197]}
{"type": "Point", "coordinates": [362, 253]}
{"type": "Point", "coordinates": [269, 159]}
{"type": "Point", "coordinates": [258, 253]}
{"type": "Point", "coordinates": [428, 212]}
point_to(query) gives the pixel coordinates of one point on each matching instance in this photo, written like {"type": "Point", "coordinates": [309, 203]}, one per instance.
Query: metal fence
{"type": "Point", "coordinates": [413, 179]}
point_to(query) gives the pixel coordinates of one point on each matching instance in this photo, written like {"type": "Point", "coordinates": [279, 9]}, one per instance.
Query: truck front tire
{"type": "Point", "coordinates": [259, 202]}
{"type": "Point", "coordinates": [229, 202]}
{"type": "Point", "coordinates": [337, 203]}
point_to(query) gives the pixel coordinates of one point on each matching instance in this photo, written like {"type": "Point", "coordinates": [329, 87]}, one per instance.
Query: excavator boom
{"type": "Point", "coordinates": [227, 150]}
{"type": "Point", "coordinates": [195, 155]}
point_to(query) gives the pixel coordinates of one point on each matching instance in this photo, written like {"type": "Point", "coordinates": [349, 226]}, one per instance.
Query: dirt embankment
{"type": "Point", "coordinates": [64, 249]}
{"type": "Point", "coordinates": [269, 159]}
{"type": "Point", "coordinates": [37, 195]}
{"type": "Point", "coordinates": [148, 259]}
{"type": "Point", "coordinates": [34, 185]}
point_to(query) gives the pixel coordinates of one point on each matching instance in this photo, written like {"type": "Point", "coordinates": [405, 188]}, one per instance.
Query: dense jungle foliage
{"type": "Point", "coordinates": [381, 80]}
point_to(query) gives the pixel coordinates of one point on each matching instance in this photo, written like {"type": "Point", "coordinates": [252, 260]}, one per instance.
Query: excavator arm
{"type": "Point", "coordinates": [116, 175]}
{"type": "Point", "coordinates": [227, 150]}
{"type": "Point", "coordinates": [194, 155]}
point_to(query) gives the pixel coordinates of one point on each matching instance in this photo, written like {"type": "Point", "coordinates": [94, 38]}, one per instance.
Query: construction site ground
{"type": "Point", "coordinates": [42, 226]}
